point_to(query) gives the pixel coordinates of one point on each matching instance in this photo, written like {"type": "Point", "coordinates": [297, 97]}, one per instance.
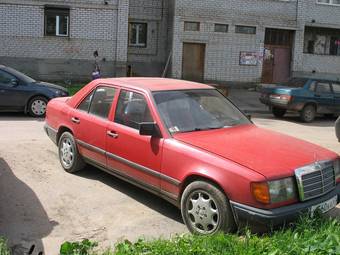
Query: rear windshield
{"type": "Point", "coordinates": [295, 82]}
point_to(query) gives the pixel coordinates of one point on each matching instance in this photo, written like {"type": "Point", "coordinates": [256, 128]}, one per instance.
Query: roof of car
{"type": "Point", "coordinates": [155, 84]}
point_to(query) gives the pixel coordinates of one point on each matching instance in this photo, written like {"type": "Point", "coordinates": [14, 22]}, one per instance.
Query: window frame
{"type": "Point", "coordinates": [54, 11]}
{"type": "Point", "coordinates": [192, 22]}
{"type": "Point", "coordinates": [117, 104]}
{"type": "Point", "coordinates": [331, 3]}
{"type": "Point", "coordinates": [220, 24]}
{"type": "Point", "coordinates": [246, 26]}
{"type": "Point", "coordinates": [138, 44]}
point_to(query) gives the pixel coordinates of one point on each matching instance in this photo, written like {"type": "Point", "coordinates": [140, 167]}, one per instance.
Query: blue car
{"type": "Point", "coordinates": [306, 96]}
{"type": "Point", "coordinates": [20, 93]}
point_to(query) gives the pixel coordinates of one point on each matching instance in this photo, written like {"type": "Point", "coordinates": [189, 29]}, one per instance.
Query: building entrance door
{"type": "Point", "coordinates": [277, 57]}
{"type": "Point", "coordinates": [193, 62]}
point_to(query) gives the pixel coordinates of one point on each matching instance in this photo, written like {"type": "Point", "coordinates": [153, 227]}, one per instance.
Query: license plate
{"type": "Point", "coordinates": [324, 206]}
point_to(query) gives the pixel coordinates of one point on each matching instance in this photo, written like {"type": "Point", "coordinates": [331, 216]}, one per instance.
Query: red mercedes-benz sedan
{"type": "Point", "coordinates": [189, 144]}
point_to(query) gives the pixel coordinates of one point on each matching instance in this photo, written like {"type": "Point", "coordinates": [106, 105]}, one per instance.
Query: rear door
{"type": "Point", "coordinates": [336, 91]}
{"type": "Point", "coordinates": [90, 121]}
{"type": "Point", "coordinates": [324, 97]}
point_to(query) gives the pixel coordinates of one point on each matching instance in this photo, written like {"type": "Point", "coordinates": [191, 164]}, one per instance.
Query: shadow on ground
{"type": "Point", "coordinates": [23, 220]}
{"type": "Point", "coordinates": [17, 116]}
{"type": "Point", "coordinates": [148, 199]}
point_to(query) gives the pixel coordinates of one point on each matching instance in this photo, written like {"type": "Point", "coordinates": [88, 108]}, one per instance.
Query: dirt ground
{"type": "Point", "coordinates": [40, 204]}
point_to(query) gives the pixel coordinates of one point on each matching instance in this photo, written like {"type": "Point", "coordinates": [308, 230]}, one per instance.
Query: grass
{"type": "Point", "coordinates": [4, 250]}
{"type": "Point", "coordinates": [72, 87]}
{"type": "Point", "coordinates": [317, 236]}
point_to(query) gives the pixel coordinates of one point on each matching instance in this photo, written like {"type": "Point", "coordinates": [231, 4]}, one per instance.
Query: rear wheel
{"type": "Point", "coordinates": [206, 210]}
{"type": "Point", "coordinates": [37, 106]}
{"type": "Point", "coordinates": [278, 112]}
{"type": "Point", "coordinates": [69, 156]}
{"type": "Point", "coordinates": [308, 113]}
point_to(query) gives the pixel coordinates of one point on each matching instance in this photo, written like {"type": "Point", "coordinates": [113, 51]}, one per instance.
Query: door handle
{"type": "Point", "coordinates": [75, 120]}
{"type": "Point", "coordinates": [112, 134]}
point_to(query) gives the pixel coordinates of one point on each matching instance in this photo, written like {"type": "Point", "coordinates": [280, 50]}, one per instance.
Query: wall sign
{"type": "Point", "coordinates": [248, 58]}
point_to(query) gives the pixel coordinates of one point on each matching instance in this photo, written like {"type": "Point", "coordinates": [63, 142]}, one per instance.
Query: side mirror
{"type": "Point", "coordinates": [149, 129]}
{"type": "Point", "coordinates": [14, 82]}
{"type": "Point", "coordinates": [249, 116]}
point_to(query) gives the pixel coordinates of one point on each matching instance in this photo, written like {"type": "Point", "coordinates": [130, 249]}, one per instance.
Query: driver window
{"type": "Point", "coordinates": [132, 109]}
{"type": "Point", "coordinates": [6, 78]}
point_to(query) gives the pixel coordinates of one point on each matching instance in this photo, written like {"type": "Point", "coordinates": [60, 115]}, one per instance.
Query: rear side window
{"type": "Point", "coordinates": [336, 88]}
{"type": "Point", "coordinates": [323, 87]}
{"type": "Point", "coordinates": [99, 102]}
{"type": "Point", "coordinates": [132, 109]}
{"type": "Point", "coordinates": [85, 104]}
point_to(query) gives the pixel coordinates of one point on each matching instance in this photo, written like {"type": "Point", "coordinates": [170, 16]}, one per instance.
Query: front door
{"type": "Point", "coordinates": [13, 94]}
{"type": "Point", "coordinates": [90, 121]}
{"type": "Point", "coordinates": [129, 154]}
{"type": "Point", "coordinates": [193, 61]}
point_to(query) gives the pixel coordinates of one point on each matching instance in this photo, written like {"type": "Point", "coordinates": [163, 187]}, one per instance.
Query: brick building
{"type": "Point", "coordinates": [214, 40]}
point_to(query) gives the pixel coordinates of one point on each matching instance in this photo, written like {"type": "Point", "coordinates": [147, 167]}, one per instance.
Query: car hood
{"type": "Point", "coordinates": [50, 85]}
{"type": "Point", "coordinates": [269, 153]}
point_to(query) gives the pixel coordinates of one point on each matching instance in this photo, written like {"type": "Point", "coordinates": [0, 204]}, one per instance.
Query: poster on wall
{"type": "Point", "coordinates": [248, 58]}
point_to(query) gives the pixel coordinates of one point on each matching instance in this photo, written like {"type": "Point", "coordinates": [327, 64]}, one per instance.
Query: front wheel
{"type": "Point", "coordinates": [308, 113]}
{"type": "Point", "coordinates": [206, 210]}
{"type": "Point", "coordinates": [69, 156]}
{"type": "Point", "coordinates": [37, 106]}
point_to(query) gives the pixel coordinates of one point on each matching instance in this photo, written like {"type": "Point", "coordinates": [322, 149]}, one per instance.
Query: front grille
{"type": "Point", "coordinates": [315, 180]}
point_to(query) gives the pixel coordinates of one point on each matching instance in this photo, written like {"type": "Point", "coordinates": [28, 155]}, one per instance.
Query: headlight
{"type": "Point", "coordinates": [337, 170]}
{"type": "Point", "coordinates": [274, 191]}
{"type": "Point", "coordinates": [282, 190]}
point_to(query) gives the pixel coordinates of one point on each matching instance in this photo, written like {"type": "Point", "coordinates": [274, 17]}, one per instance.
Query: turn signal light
{"type": "Point", "coordinates": [260, 191]}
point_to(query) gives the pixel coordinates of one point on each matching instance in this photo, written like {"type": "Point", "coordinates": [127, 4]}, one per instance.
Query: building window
{"type": "Point", "coordinates": [191, 26]}
{"type": "Point", "coordinates": [221, 28]}
{"type": "Point", "coordinates": [138, 34]}
{"type": "Point", "coordinates": [330, 2]}
{"type": "Point", "coordinates": [278, 37]}
{"type": "Point", "coordinates": [57, 21]}
{"type": "Point", "coordinates": [245, 30]}
{"type": "Point", "coordinates": [322, 41]}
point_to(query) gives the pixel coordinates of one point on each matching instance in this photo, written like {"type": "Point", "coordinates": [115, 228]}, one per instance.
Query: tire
{"type": "Point", "coordinates": [69, 157]}
{"type": "Point", "coordinates": [197, 216]}
{"type": "Point", "coordinates": [37, 106]}
{"type": "Point", "coordinates": [308, 113]}
{"type": "Point", "coordinates": [278, 112]}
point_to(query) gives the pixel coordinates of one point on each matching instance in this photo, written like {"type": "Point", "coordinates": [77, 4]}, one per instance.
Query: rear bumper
{"type": "Point", "coordinates": [51, 133]}
{"type": "Point", "coordinates": [280, 215]}
{"type": "Point", "coordinates": [282, 104]}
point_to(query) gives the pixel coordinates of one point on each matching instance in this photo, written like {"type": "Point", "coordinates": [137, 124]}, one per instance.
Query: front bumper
{"type": "Point", "coordinates": [279, 215]}
{"type": "Point", "coordinates": [51, 133]}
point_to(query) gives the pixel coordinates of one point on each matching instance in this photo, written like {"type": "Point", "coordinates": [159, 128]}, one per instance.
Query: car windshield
{"type": "Point", "coordinates": [20, 75]}
{"type": "Point", "coordinates": [295, 82]}
{"type": "Point", "coordinates": [197, 110]}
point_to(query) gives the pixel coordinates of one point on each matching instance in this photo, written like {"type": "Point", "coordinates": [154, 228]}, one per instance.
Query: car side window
{"type": "Point", "coordinates": [132, 109]}
{"type": "Point", "coordinates": [102, 101]}
{"type": "Point", "coordinates": [6, 78]}
{"type": "Point", "coordinates": [336, 88]}
{"type": "Point", "coordinates": [323, 87]}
